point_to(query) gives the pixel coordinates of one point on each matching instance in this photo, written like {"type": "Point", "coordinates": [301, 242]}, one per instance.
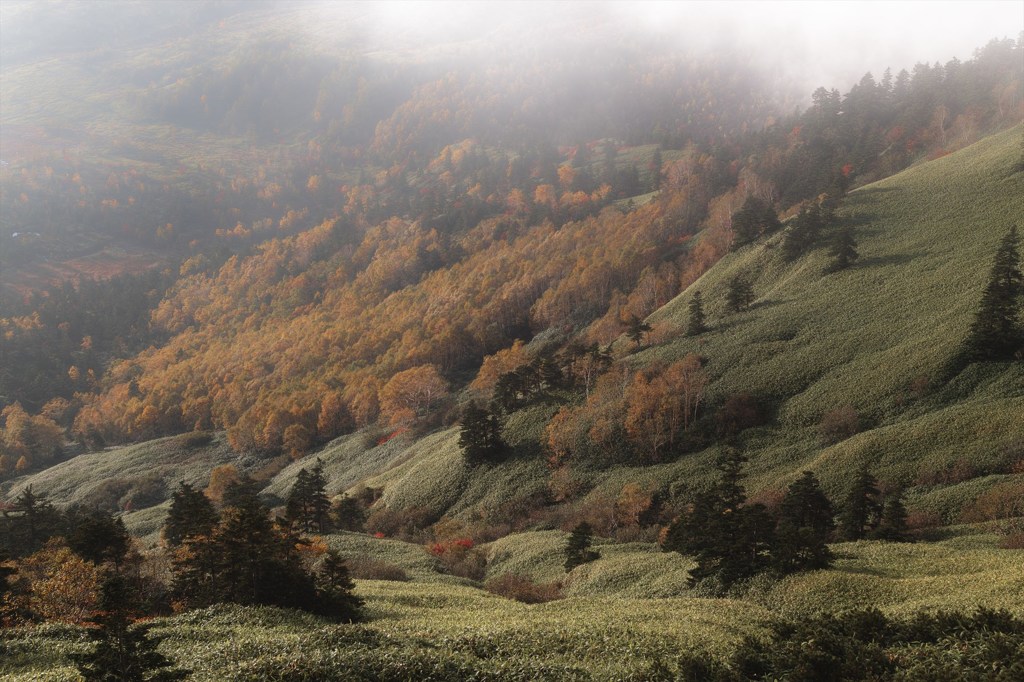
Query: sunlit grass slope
{"type": "Point", "coordinates": [926, 239]}
{"type": "Point", "coordinates": [864, 336]}
{"type": "Point", "coordinates": [154, 468]}
{"type": "Point", "coordinates": [876, 336]}
{"type": "Point", "coordinates": [626, 612]}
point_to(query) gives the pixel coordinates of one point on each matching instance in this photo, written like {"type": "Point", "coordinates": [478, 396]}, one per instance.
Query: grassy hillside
{"type": "Point", "coordinates": [627, 613]}
{"type": "Point", "coordinates": [876, 336]}
{"type": "Point", "coordinates": [132, 477]}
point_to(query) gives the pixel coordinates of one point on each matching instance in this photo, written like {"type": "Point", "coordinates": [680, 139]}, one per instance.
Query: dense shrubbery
{"type": "Point", "coordinates": [867, 645]}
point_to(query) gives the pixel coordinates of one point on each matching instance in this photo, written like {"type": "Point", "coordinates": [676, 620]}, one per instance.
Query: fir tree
{"type": "Point", "coordinates": [335, 584]}
{"type": "Point", "coordinates": [122, 653]}
{"type": "Point", "coordinates": [348, 514]}
{"type": "Point", "coordinates": [480, 436]}
{"type": "Point", "coordinates": [97, 536]}
{"type": "Point", "coordinates": [740, 294]}
{"type": "Point", "coordinates": [755, 219]}
{"type": "Point", "coordinates": [861, 511]}
{"type": "Point", "coordinates": [893, 524]}
{"type": "Point", "coordinates": [240, 492]}
{"type": "Point", "coordinates": [577, 548]}
{"type": "Point", "coordinates": [308, 506]}
{"type": "Point", "coordinates": [30, 522]}
{"type": "Point", "coordinates": [997, 332]}
{"type": "Point", "coordinates": [695, 324]}
{"type": "Point", "coordinates": [191, 515]}
{"type": "Point", "coordinates": [802, 235]}
{"type": "Point", "coordinates": [803, 528]}
{"type": "Point", "coordinates": [843, 251]}
{"type": "Point", "coordinates": [730, 540]}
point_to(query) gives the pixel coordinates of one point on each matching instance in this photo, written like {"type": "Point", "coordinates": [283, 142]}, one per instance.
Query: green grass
{"type": "Point", "coordinates": [347, 461]}
{"type": "Point", "coordinates": [624, 612]}
{"type": "Point", "coordinates": [164, 462]}
{"type": "Point", "coordinates": [814, 342]}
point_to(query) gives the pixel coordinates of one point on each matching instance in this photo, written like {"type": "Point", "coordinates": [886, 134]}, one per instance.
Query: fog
{"type": "Point", "coordinates": [807, 43]}
{"type": "Point", "coordinates": [811, 44]}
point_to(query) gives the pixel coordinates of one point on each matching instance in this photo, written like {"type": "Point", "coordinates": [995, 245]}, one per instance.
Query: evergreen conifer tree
{"type": "Point", "coordinates": [695, 324]}
{"type": "Point", "coordinates": [754, 219]}
{"type": "Point", "coordinates": [893, 524]}
{"type": "Point", "coordinates": [335, 585]}
{"type": "Point", "coordinates": [746, 222]}
{"type": "Point", "coordinates": [30, 521]}
{"type": "Point", "coordinates": [122, 653]}
{"type": "Point", "coordinates": [861, 510]}
{"type": "Point", "coordinates": [997, 332]}
{"type": "Point", "coordinates": [308, 506]}
{"type": "Point", "coordinates": [480, 435]}
{"type": "Point", "coordinates": [577, 548]}
{"type": "Point", "coordinates": [803, 233]}
{"type": "Point", "coordinates": [803, 528]}
{"type": "Point", "coordinates": [191, 515]}
{"type": "Point", "coordinates": [843, 251]}
{"type": "Point", "coordinates": [740, 294]}
{"type": "Point", "coordinates": [96, 536]}
{"type": "Point", "coordinates": [730, 540]}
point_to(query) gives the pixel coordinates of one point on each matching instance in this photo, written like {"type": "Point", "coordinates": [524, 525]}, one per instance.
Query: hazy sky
{"type": "Point", "coordinates": [824, 42]}
{"type": "Point", "coordinates": [830, 43]}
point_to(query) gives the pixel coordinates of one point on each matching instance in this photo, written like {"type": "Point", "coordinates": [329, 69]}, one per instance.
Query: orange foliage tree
{"type": "Point", "coordinates": [411, 394]}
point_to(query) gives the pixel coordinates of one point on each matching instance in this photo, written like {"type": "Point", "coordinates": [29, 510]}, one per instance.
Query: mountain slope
{"type": "Point", "coordinates": [876, 336]}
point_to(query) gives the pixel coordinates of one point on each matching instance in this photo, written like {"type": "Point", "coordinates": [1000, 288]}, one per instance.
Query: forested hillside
{"type": "Point", "coordinates": [356, 254]}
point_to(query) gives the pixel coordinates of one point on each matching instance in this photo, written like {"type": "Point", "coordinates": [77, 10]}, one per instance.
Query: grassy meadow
{"type": "Point", "coordinates": [627, 615]}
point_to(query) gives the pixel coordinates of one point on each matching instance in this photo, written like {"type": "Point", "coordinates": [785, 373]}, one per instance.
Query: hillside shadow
{"type": "Point", "coordinates": [857, 221]}
{"type": "Point", "coordinates": [879, 261]}
{"type": "Point", "coordinates": [875, 190]}
{"type": "Point", "coordinates": [765, 305]}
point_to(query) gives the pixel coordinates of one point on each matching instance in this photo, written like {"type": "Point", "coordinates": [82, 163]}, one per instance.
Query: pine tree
{"type": "Point", "coordinates": [861, 511]}
{"type": "Point", "coordinates": [754, 219]}
{"type": "Point", "coordinates": [997, 333]}
{"type": "Point", "coordinates": [746, 222]}
{"type": "Point", "coordinates": [30, 521]}
{"type": "Point", "coordinates": [480, 436]}
{"type": "Point", "coordinates": [122, 653]}
{"type": "Point", "coordinates": [240, 492]}
{"type": "Point", "coordinates": [740, 294]}
{"type": "Point", "coordinates": [843, 251]}
{"type": "Point", "coordinates": [191, 515]}
{"type": "Point", "coordinates": [296, 509]}
{"type": "Point", "coordinates": [893, 524]}
{"type": "Point", "coordinates": [577, 548]}
{"type": "Point", "coordinates": [695, 325]}
{"type": "Point", "coordinates": [348, 514]}
{"type": "Point", "coordinates": [803, 528]}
